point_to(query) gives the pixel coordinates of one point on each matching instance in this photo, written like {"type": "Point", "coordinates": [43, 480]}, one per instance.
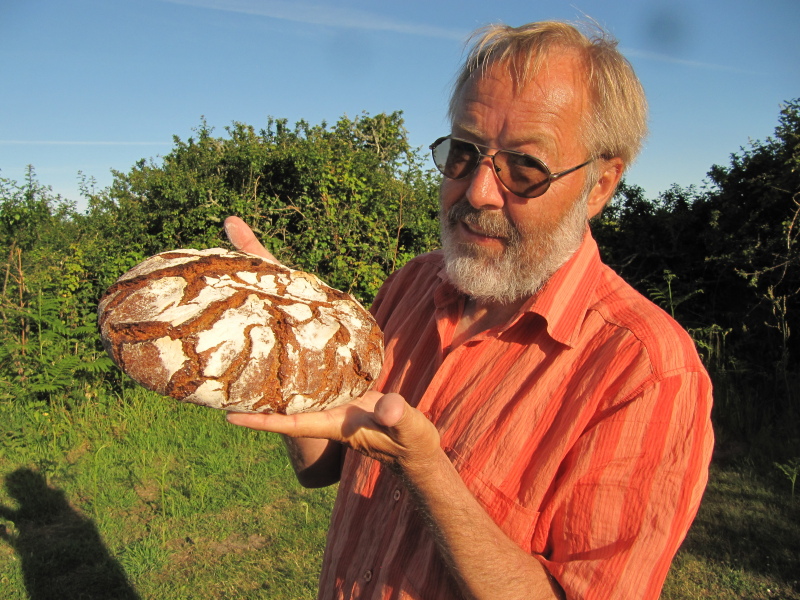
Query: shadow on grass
{"type": "Point", "coordinates": [63, 556]}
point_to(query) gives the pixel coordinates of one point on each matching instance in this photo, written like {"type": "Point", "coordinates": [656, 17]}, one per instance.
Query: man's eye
{"type": "Point", "coordinates": [464, 150]}
{"type": "Point", "coordinates": [524, 162]}
{"type": "Point", "coordinates": [459, 156]}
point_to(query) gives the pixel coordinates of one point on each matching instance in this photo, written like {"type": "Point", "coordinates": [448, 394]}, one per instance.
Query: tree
{"type": "Point", "coordinates": [753, 259]}
{"type": "Point", "coordinates": [350, 203]}
{"type": "Point", "coordinates": [725, 262]}
{"type": "Point", "coordinates": [48, 340]}
{"type": "Point", "coordinates": [654, 245]}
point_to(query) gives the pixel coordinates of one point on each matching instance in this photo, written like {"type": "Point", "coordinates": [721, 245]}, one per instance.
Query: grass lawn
{"type": "Point", "coordinates": [745, 542]}
{"type": "Point", "coordinates": [142, 497]}
{"type": "Point", "coordinates": [149, 498]}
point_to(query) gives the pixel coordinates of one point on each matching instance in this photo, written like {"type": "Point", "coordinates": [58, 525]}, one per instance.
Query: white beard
{"type": "Point", "coordinates": [528, 261]}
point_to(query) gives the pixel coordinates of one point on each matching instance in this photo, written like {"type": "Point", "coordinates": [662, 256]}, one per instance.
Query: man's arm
{"type": "Point", "coordinates": [316, 462]}
{"type": "Point", "coordinates": [483, 560]}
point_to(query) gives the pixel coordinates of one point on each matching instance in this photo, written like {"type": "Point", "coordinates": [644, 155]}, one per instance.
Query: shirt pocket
{"type": "Point", "coordinates": [517, 521]}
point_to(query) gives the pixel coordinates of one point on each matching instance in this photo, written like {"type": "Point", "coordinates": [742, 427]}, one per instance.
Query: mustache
{"type": "Point", "coordinates": [491, 222]}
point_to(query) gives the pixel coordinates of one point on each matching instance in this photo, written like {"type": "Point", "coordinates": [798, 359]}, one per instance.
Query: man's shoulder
{"type": "Point", "coordinates": [417, 279]}
{"type": "Point", "coordinates": [434, 258]}
{"type": "Point", "coordinates": [622, 307]}
{"type": "Point", "coordinates": [429, 264]}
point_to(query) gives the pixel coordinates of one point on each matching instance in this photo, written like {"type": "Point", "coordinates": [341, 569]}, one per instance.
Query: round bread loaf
{"type": "Point", "coordinates": [234, 331]}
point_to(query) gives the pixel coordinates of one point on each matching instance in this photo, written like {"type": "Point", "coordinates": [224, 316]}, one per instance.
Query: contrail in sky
{"type": "Point", "coordinates": [80, 143]}
{"type": "Point", "coordinates": [322, 14]}
{"type": "Point", "coordinates": [632, 52]}
{"type": "Point", "coordinates": [336, 16]}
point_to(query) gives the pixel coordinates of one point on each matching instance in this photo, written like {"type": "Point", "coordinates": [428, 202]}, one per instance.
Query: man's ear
{"type": "Point", "coordinates": [611, 170]}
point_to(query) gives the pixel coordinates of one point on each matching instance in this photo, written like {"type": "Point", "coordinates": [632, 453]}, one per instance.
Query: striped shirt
{"type": "Point", "coordinates": [581, 426]}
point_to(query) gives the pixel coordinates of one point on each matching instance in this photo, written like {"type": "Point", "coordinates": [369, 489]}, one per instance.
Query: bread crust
{"type": "Point", "coordinates": [234, 331]}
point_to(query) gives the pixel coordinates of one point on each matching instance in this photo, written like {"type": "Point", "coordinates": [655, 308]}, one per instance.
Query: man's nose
{"type": "Point", "coordinates": [485, 190]}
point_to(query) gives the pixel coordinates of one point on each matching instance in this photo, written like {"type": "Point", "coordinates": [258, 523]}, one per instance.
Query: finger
{"type": "Point", "coordinates": [243, 238]}
{"type": "Point", "coordinates": [321, 424]}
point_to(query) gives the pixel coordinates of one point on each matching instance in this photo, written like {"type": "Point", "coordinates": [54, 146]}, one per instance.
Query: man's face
{"type": "Point", "coordinates": [499, 246]}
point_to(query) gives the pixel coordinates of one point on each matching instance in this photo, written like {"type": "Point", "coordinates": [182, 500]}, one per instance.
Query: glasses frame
{"type": "Point", "coordinates": [539, 189]}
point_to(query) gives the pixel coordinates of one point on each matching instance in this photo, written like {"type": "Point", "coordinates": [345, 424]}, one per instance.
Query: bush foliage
{"type": "Point", "coordinates": [725, 260]}
{"type": "Point", "coordinates": [354, 201]}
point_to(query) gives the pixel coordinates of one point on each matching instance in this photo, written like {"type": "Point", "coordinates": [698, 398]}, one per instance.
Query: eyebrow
{"type": "Point", "coordinates": [476, 134]}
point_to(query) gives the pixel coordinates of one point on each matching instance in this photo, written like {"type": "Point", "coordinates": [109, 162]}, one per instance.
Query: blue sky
{"type": "Point", "coordinates": [95, 85]}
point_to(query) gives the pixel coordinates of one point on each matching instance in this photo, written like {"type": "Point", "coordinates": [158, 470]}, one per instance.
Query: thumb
{"type": "Point", "coordinates": [390, 410]}
{"type": "Point", "coordinates": [242, 237]}
{"type": "Point", "coordinates": [416, 438]}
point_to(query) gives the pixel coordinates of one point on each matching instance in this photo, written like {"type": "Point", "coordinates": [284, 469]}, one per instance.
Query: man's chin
{"type": "Point", "coordinates": [476, 252]}
{"type": "Point", "coordinates": [485, 278]}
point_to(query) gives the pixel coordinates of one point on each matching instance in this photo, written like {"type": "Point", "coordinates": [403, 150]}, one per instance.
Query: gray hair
{"type": "Point", "coordinates": [617, 123]}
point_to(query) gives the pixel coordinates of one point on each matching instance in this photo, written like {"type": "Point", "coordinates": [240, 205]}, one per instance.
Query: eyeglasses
{"type": "Point", "coordinates": [521, 174]}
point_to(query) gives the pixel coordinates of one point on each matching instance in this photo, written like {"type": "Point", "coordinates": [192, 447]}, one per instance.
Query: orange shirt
{"type": "Point", "coordinates": [582, 427]}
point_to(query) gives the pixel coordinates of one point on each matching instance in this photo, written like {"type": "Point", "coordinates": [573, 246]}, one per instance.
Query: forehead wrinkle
{"type": "Point", "coordinates": [478, 98]}
{"type": "Point", "coordinates": [537, 119]}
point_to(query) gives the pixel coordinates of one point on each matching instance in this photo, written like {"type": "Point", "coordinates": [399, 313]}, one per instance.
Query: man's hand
{"type": "Point", "coordinates": [243, 238]}
{"type": "Point", "coordinates": [316, 462]}
{"type": "Point", "coordinates": [383, 427]}
{"type": "Point", "coordinates": [483, 560]}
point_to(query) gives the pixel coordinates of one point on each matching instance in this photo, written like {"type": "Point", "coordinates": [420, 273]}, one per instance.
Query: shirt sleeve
{"type": "Point", "coordinates": [628, 492]}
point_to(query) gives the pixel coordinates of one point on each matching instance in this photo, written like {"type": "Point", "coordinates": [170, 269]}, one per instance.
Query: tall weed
{"type": "Point", "coordinates": [42, 355]}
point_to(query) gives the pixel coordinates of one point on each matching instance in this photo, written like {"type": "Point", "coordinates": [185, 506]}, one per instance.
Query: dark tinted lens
{"type": "Point", "coordinates": [522, 174]}
{"type": "Point", "coordinates": [455, 159]}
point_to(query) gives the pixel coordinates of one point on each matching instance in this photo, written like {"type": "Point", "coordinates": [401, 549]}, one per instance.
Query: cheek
{"type": "Point", "coordinates": [547, 211]}
{"type": "Point", "coordinates": [451, 191]}
{"type": "Point", "coordinates": [528, 217]}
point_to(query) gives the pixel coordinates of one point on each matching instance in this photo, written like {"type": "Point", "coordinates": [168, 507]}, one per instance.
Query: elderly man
{"type": "Point", "coordinates": [539, 429]}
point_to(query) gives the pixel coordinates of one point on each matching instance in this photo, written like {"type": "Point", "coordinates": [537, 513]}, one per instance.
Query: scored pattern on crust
{"type": "Point", "coordinates": [234, 331]}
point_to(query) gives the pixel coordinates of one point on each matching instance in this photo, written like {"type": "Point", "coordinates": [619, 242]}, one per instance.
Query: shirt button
{"type": "Point", "coordinates": [396, 495]}
{"type": "Point", "coordinates": [368, 576]}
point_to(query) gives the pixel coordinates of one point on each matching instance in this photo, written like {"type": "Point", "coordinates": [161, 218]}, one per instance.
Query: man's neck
{"type": "Point", "coordinates": [483, 315]}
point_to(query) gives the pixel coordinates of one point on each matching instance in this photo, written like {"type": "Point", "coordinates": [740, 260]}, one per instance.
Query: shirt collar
{"type": "Point", "coordinates": [567, 295]}
{"type": "Point", "coordinates": [562, 302]}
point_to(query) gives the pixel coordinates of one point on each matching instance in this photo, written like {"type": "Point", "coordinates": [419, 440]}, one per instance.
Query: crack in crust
{"type": "Point", "coordinates": [231, 330]}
